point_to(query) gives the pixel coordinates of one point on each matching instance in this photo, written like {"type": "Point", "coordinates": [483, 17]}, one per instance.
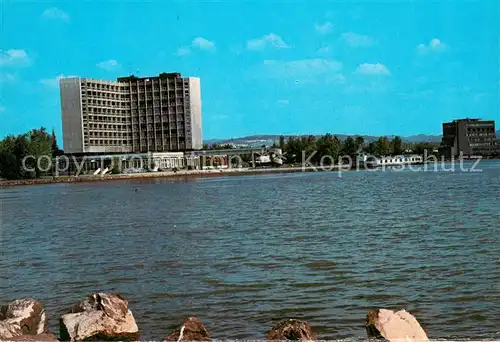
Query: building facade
{"type": "Point", "coordinates": [470, 137]}
{"type": "Point", "coordinates": [132, 114]}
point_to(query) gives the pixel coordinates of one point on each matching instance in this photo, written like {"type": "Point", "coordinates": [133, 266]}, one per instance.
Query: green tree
{"type": "Point", "coordinates": [293, 150]}
{"type": "Point", "coordinates": [370, 148]}
{"type": "Point", "coordinates": [360, 142]}
{"type": "Point", "coordinates": [9, 166]}
{"type": "Point", "coordinates": [382, 147]}
{"type": "Point", "coordinates": [349, 147]}
{"type": "Point", "coordinates": [56, 151]}
{"type": "Point", "coordinates": [13, 149]}
{"type": "Point", "coordinates": [397, 146]}
{"type": "Point", "coordinates": [327, 145]}
{"type": "Point", "coordinates": [282, 143]}
{"type": "Point", "coordinates": [308, 144]}
{"type": "Point", "coordinates": [39, 150]}
{"type": "Point", "coordinates": [420, 148]}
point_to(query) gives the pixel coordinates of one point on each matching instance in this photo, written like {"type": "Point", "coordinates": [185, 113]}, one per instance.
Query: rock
{"type": "Point", "coordinates": [191, 330]}
{"type": "Point", "coordinates": [291, 330]}
{"type": "Point", "coordinates": [101, 317]}
{"type": "Point", "coordinates": [22, 317]}
{"type": "Point", "coordinates": [394, 326]}
{"type": "Point", "coordinates": [33, 338]}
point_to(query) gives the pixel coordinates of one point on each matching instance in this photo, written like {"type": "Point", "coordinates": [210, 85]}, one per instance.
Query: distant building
{"type": "Point", "coordinates": [100, 163]}
{"type": "Point", "coordinates": [131, 115]}
{"type": "Point", "coordinates": [383, 161]}
{"type": "Point", "coordinates": [470, 137]}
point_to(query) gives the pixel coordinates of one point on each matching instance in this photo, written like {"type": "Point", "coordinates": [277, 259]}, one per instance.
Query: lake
{"type": "Point", "coordinates": [242, 253]}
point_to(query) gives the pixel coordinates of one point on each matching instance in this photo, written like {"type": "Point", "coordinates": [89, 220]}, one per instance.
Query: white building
{"type": "Point", "coordinates": [373, 161]}
{"type": "Point", "coordinates": [131, 115]}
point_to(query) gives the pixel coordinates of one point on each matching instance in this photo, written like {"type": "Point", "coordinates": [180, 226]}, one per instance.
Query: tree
{"type": "Point", "coordinates": [349, 147]}
{"type": "Point", "coordinates": [56, 151]}
{"type": "Point", "coordinates": [360, 141]}
{"type": "Point", "coordinates": [282, 143]}
{"type": "Point", "coordinates": [293, 150]}
{"type": "Point", "coordinates": [397, 146]}
{"type": "Point", "coordinates": [40, 149]}
{"type": "Point", "coordinates": [382, 147]}
{"type": "Point", "coordinates": [13, 149]}
{"type": "Point", "coordinates": [420, 148]}
{"type": "Point", "coordinates": [327, 145]}
{"type": "Point", "coordinates": [371, 148]}
{"type": "Point", "coordinates": [9, 166]}
{"type": "Point", "coordinates": [308, 144]}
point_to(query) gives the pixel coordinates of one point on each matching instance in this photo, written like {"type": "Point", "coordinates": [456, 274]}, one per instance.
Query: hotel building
{"type": "Point", "coordinates": [131, 115]}
{"type": "Point", "coordinates": [472, 137]}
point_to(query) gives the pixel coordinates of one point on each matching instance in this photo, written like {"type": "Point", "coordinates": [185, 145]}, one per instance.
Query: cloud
{"type": "Point", "coordinates": [325, 50]}
{"type": "Point", "coordinates": [183, 51]}
{"type": "Point", "coordinates": [417, 94]}
{"type": "Point", "coordinates": [372, 69]}
{"type": "Point", "coordinates": [270, 39]}
{"type": "Point", "coordinates": [55, 14]}
{"type": "Point", "coordinates": [284, 101]}
{"type": "Point", "coordinates": [6, 77]}
{"type": "Point", "coordinates": [203, 44]}
{"type": "Point", "coordinates": [53, 82]}
{"type": "Point", "coordinates": [338, 78]}
{"type": "Point", "coordinates": [109, 65]}
{"type": "Point", "coordinates": [373, 86]}
{"type": "Point", "coordinates": [435, 45]}
{"type": "Point", "coordinates": [219, 117]}
{"type": "Point", "coordinates": [14, 58]}
{"type": "Point", "coordinates": [357, 40]}
{"type": "Point", "coordinates": [315, 70]}
{"type": "Point", "coordinates": [2, 109]}
{"type": "Point", "coordinates": [314, 65]}
{"type": "Point", "coordinates": [324, 28]}
{"type": "Point", "coordinates": [197, 43]}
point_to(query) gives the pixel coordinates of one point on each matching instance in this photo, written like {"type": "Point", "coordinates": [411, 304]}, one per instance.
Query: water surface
{"type": "Point", "coordinates": [244, 252]}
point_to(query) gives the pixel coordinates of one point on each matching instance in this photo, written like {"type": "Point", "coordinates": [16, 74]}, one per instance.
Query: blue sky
{"type": "Point", "coordinates": [287, 67]}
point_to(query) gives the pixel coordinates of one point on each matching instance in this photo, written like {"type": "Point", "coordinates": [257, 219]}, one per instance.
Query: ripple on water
{"type": "Point", "coordinates": [320, 265]}
{"type": "Point", "coordinates": [313, 246]}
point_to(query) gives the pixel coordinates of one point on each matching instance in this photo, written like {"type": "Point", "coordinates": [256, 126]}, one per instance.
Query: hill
{"type": "Point", "coordinates": [269, 139]}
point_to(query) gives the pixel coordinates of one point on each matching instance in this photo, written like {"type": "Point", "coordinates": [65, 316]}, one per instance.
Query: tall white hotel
{"type": "Point", "coordinates": [131, 115]}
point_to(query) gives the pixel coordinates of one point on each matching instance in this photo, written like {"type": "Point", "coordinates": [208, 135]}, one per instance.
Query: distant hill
{"type": "Point", "coordinates": [269, 139]}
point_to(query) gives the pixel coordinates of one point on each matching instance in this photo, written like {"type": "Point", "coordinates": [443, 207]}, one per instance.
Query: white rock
{"type": "Point", "coordinates": [100, 315]}
{"type": "Point", "coordinates": [22, 317]}
{"type": "Point", "coordinates": [398, 326]}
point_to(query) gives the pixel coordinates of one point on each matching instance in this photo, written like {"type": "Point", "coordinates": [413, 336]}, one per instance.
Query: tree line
{"type": "Point", "coordinates": [38, 142]}
{"type": "Point", "coordinates": [14, 150]}
{"type": "Point", "coordinates": [330, 145]}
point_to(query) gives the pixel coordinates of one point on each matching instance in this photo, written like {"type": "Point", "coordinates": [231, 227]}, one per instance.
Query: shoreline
{"type": "Point", "coordinates": [179, 175]}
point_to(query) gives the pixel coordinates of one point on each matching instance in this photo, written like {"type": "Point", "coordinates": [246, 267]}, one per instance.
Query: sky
{"type": "Point", "coordinates": [266, 67]}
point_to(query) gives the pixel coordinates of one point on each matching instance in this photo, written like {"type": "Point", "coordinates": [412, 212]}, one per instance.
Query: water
{"type": "Point", "coordinates": [243, 253]}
